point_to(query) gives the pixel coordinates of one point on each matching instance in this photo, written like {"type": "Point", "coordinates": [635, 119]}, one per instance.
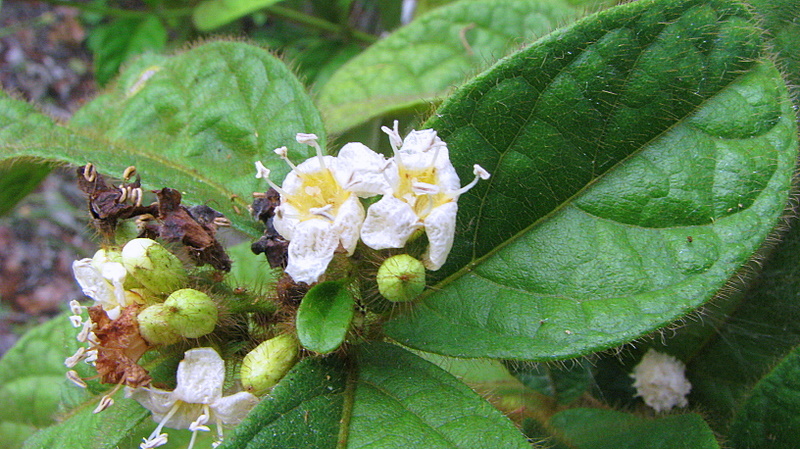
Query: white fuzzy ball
{"type": "Point", "coordinates": [660, 380]}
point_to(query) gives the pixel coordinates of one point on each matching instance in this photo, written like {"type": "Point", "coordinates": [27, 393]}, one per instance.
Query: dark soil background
{"type": "Point", "coordinates": [43, 60]}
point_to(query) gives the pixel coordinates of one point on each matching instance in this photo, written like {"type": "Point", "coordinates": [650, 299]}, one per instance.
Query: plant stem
{"type": "Point", "coordinates": [322, 24]}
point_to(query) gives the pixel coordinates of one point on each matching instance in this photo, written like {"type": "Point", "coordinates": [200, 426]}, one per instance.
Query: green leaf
{"type": "Point", "coordinates": [584, 428]}
{"type": "Point", "coordinates": [115, 427]}
{"type": "Point", "coordinates": [746, 345]}
{"type": "Point", "coordinates": [302, 411]}
{"type": "Point", "coordinates": [770, 418]}
{"type": "Point", "coordinates": [781, 20]}
{"type": "Point", "coordinates": [420, 62]}
{"type": "Point", "coordinates": [195, 122]}
{"type": "Point", "coordinates": [119, 40]}
{"type": "Point", "coordinates": [646, 156]}
{"type": "Point", "coordinates": [17, 179]}
{"type": "Point", "coordinates": [211, 14]}
{"type": "Point", "coordinates": [31, 377]}
{"type": "Point", "coordinates": [424, 407]}
{"type": "Point", "coordinates": [324, 316]}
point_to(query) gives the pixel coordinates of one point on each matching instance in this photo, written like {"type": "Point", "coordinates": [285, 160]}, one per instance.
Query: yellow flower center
{"type": "Point", "coordinates": [422, 204]}
{"type": "Point", "coordinates": [320, 195]}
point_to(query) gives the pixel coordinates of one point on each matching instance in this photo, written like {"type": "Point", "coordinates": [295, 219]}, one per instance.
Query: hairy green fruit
{"type": "Point", "coordinates": [191, 313]}
{"type": "Point", "coordinates": [265, 365]}
{"type": "Point", "coordinates": [153, 266]}
{"type": "Point", "coordinates": [154, 328]}
{"type": "Point", "coordinates": [401, 278]}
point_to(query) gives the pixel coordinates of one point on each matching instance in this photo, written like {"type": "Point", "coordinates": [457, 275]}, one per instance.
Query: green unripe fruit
{"type": "Point", "coordinates": [191, 313]}
{"type": "Point", "coordinates": [265, 366]}
{"type": "Point", "coordinates": [401, 278]}
{"type": "Point", "coordinates": [157, 269]}
{"type": "Point", "coordinates": [154, 328]}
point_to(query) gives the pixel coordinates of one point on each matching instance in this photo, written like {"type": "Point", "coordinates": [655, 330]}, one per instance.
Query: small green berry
{"type": "Point", "coordinates": [265, 366]}
{"type": "Point", "coordinates": [191, 313]}
{"type": "Point", "coordinates": [154, 328]}
{"type": "Point", "coordinates": [153, 266]}
{"type": "Point", "coordinates": [401, 278]}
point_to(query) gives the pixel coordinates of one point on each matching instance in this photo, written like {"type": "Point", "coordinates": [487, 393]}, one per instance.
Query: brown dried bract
{"type": "Point", "coordinates": [272, 244]}
{"type": "Point", "coordinates": [119, 347]}
{"type": "Point", "coordinates": [196, 228]}
{"type": "Point", "coordinates": [107, 204]}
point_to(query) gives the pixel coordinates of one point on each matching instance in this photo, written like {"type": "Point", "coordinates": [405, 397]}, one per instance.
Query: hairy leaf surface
{"type": "Point", "coordinates": [403, 401]}
{"type": "Point", "coordinates": [303, 410]}
{"type": "Point", "coordinates": [195, 122]}
{"type": "Point", "coordinates": [640, 157]}
{"type": "Point", "coordinates": [770, 418]}
{"type": "Point", "coordinates": [421, 62]}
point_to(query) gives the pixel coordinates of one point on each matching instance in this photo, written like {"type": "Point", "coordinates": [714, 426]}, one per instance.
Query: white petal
{"type": "Point", "coordinates": [311, 249]}
{"type": "Point", "coordinates": [446, 176]}
{"type": "Point", "coordinates": [310, 165]}
{"type": "Point", "coordinates": [285, 220]}
{"type": "Point", "coordinates": [183, 417]}
{"type": "Point", "coordinates": [232, 409]}
{"type": "Point", "coordinates": [200, 376]}
{"type": "Point", "coordinates": [389, 224]}
{"type": "Point", "coordinates": [93, 284]}
{"type": "Point", "coordinates": [157, 401]}
{"type": "Point", "coordinates": [420, 141]}
{"type": "Point", "coordinates": [114, 273]}
{"type": "Point", "coordinates": [348, 223]}
{"type": "Point", "coordinates": [440, 227]}
{"type": "Point", "coordinates": [361, 170]}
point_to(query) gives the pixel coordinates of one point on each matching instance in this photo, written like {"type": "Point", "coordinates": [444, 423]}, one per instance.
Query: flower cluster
{"type": "Point", "coordinates": [320, 212]}
{"type": "Point", "coordinates": [660, 380]}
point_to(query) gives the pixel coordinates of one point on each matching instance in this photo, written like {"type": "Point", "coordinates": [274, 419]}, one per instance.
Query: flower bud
{"type": "Point", "coordinates": [265, 365]}
{"type": "Point", "coordinates": [191, 313]}
{"type": "Point", "coordinates": [154, 328]}
{"type": "Point", "coordinates": [401, 278]}
{"type": "Point", "coordinates": [153, 266]}
{"type": "Point", "coordinates": [105, 255]}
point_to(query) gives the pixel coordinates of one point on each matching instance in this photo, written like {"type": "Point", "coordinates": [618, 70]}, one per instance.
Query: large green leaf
{"type": "Point", "coordinates": [781, 20]}
{"type": "Point", "coordinates": [195, 122]}
{"type": "Point", "coordinates": [35, 394]}
{"type": "Point", "coordinates": [421, 62]}
{"type": "Point", "coordinates": [17, 179]}
{"type": "Point", "coordinates": [583, 428]}
{"type": "Point", "coordinates": [771, 416]}
{"type": "Point", "coordinates": [744, 347]}
{"type": "Point", "coordinates": [31, 377]}
{"type": "Point", "coordinates": [422, 405]}
{"type": "Point", "coordinates": [115, 427]}
{"type": "Point", "coordinates": [302, 411]}
{"type": "Point", "coordinates": [645, 154]}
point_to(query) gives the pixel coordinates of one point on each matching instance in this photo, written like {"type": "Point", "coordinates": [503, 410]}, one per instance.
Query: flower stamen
{"type": "Point", "coordinates": [263, 173]}
{"type": "Point", "coordinates": [323, 212]}
{"type": "Point", "coordinates": [74, 359]}
{"type": "Point", "coordinates": [75, 378]}
{"type": "Point", "coordinates": [311, 140]}
{"type": "Point", "coordinates": [480, 173]}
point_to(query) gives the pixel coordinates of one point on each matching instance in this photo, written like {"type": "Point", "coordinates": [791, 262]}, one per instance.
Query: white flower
{"type": "Point", "coordinates": [102, 280]}
{"type": "Point", "coordinates": [196, 401]}
{"type": "Point", "coordinates": [320, 211]}
{"type": "Point", "coordinates": [422, 194]}
{"type": "Point", "coordinates": [660, 381]}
